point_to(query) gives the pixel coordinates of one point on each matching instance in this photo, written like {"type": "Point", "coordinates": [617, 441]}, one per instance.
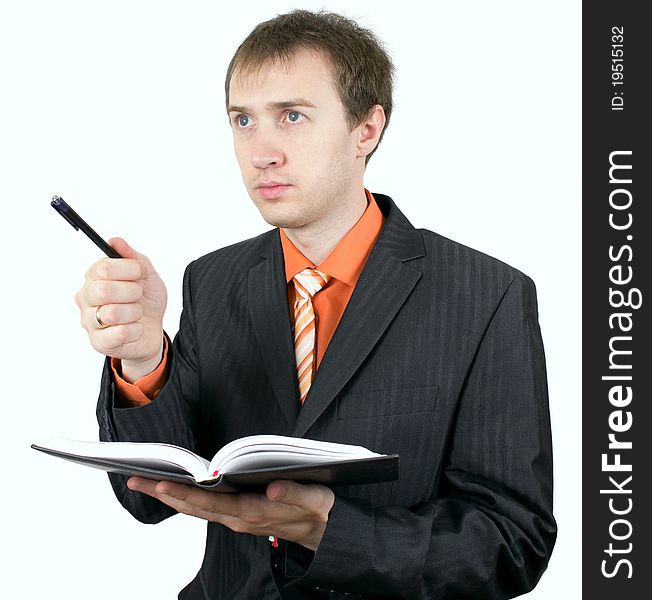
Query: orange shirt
{"type": "Point", "coordinates": [344, 265]}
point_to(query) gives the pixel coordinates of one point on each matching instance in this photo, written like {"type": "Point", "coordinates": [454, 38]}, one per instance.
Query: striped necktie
{"type": "Point", "coordinates": [306, 283]}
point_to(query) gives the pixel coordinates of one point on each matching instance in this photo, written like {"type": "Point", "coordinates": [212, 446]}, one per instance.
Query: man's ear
{"type": "Point", "coordinates": [369, 131]}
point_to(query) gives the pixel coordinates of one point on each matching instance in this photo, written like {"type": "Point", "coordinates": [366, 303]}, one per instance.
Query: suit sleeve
{"type": "Point", "coordinates": [170, 418]}
{"type": "Point", "coordinates": [488, 531]}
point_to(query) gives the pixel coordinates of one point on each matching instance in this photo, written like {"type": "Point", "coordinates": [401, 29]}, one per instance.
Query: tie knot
{"type": "Point", "coordinates": [309, 281]}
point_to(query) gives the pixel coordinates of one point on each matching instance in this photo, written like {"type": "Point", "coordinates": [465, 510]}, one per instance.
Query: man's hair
{"type": "Point", "coordinates": [362, 70]}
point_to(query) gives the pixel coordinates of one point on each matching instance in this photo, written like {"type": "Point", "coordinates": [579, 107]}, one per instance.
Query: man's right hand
{"type": "Point", "coordinates": [129, 299]}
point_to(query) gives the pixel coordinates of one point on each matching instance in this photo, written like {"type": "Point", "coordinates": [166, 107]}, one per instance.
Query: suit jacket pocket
{"type": "Point", "coordinates": [379, 403]}
{"type": "Point", "coordinates": [402, 421]}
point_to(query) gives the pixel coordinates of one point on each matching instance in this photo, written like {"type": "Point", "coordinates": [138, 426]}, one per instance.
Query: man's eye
{"type": "Point", "coordinates": [243, 121]}
{"type": "Point", "coordinates": [295, 116]}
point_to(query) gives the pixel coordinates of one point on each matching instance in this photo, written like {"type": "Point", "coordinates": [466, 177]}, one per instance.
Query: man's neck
{"type": "Point", "coordinates": [318, 240]}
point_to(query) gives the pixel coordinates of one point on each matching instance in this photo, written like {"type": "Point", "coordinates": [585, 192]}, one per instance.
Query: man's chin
{"type": "Point", "coordinates": [276, 217]}
{"type": "Point", "coordinates": [283, 223]}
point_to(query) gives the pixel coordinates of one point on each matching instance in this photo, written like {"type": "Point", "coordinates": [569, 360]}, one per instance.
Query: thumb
{"type": "Point", "coordinates": [291, 492]}
{"type": "Point", "coordinates": [122, 248]}
{"type": "Point", "coordinates": [126, 251]}
{"type": "Point", "coordinates": [281, 491]}
{"type": "Point", "coordinates": [314, 498]}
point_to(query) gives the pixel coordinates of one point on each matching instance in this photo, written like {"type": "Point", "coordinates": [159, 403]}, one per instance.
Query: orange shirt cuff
{"type": "Point", "coordinates": [143, 390]}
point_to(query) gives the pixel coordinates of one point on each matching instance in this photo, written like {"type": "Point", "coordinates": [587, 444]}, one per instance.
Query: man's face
{"type": "Point", "coordinates": [298, 159]}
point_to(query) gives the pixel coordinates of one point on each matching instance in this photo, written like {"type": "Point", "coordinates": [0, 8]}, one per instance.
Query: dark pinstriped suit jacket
{"type": "Point", "coordinates": [438, 357]}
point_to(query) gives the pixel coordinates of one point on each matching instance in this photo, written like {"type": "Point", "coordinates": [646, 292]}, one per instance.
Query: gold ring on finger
{"type": "Point", "coordinates": [101, 323]}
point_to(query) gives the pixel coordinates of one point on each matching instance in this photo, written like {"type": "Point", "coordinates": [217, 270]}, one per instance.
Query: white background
{"type": "Point", "coordinates": [118, 107]}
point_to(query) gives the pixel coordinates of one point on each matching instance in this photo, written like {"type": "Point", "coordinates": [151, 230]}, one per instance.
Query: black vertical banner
{"type": "Point", "coordinates": [617, 298]}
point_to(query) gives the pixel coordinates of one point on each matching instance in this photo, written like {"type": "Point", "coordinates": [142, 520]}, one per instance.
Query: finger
{"type": "Point", "coordinates": [187, 507]}
{"type": "Point", "coordinates": [140, 484]}
{"type": "Point", "coordinates": [201, 499]}
{"type": "Point", "coordinates": [110, 340]}
{"type": "Point", "coordinates": [149, 487]}
{"type": "Point", "coordinates": [313, 498]}
{"type": "Point", "coordinates": [126, 251]}
{"type": "Point", "coordinates": [90, 318]}
{"type": "Point", "coordinates": [99, 293]}
{"type": "Point", "coordinates": [115, 314]}
{"type": "Point", "coordinates": [225, 508]}
{"type": "Point", "coordinates": [115, 269]}
{"type": "Point", "coordinates": [162, 490]}
{"type": "Point", "coordinates": [122, 248]}
{"type": "Point", "coordinates": [242, 513]}
{"type": "Point", "coordinates": [198, 503]}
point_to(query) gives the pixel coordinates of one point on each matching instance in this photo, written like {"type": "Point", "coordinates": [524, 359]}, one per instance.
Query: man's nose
{"type": "Point", "coordinates": [266, 149]}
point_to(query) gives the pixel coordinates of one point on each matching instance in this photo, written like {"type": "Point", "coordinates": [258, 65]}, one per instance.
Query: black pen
{"type": "Point", "coordinates": [61, 206]}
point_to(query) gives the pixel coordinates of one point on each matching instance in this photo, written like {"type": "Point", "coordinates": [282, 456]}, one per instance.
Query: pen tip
{"type": "Point", "coordinates": [55, 198]}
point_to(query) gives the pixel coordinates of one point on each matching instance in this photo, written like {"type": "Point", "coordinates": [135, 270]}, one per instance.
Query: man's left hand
{"type": "Point", "coordinates": [292, 511]}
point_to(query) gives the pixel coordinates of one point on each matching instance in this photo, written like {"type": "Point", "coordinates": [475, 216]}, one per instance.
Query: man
{"type": "Point", "coordinates": [347, 324]}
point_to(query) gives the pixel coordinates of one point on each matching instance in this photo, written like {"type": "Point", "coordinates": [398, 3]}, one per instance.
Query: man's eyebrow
{"type": "Point", "coordinates": [280, 105]}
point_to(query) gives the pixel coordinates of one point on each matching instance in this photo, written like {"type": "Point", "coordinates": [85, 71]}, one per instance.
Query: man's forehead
{"type": "Point", "coordinates": [300, 75]}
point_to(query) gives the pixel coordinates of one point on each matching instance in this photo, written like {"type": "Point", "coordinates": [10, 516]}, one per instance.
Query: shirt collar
{"type": "Point", "coordinates": [348, 258]}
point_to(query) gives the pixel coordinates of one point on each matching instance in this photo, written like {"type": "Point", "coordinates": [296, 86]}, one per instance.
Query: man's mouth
{"type": "Point", "coordinates": [272, 189]}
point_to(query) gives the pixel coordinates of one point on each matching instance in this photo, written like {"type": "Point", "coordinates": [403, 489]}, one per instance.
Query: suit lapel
{"type": "Point", "coordinates": [268, 304]}
{"type": "Point", "coordinates": [383, 287]}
